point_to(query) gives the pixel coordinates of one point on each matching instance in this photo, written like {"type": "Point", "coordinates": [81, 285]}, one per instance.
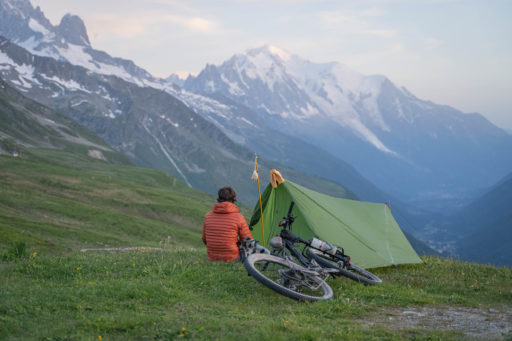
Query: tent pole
{"type": "Point", "coordinates": [261, 206]}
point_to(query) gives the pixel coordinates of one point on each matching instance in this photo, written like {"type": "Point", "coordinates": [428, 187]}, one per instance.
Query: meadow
{"type": "Point", "coordinates": [60, 212]}
{"type": "Point", "coordinates": [177, 293]}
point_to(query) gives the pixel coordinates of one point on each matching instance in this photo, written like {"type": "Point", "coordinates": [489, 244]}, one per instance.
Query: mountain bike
{"type": "Point", "coordinates": [327, 255]}
{"type": "Point", "coordinates": [282, 272]}
{"type": "Point", "coordinates": [315, 254]}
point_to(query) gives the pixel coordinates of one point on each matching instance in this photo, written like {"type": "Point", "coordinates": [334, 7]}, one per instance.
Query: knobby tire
{"type": "Point", "coordinates": [269, 271]}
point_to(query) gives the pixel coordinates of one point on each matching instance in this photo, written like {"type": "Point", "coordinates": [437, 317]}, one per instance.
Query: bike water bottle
{"type": "Point", "coordinates": [324, 246]}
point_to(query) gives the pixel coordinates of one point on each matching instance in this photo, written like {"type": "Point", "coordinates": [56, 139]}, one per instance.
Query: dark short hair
{"type": "Point", "coordinates": [226, 194]}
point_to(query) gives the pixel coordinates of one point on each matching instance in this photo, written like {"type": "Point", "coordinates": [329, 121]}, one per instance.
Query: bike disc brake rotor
{"type": "Point", "coordinates": [291, 278]}
{"type": "Point", "coordinates": [295, 280]}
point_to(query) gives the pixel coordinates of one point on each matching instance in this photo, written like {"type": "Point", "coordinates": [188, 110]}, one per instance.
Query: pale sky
{"type": "Point", "coordinates": [452, 52]}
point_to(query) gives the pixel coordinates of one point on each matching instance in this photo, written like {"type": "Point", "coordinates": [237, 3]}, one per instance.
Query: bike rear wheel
{"type": "Point", "coordinates": [287, 278]}
{"type": "Point", "coordinates": [351, 271]}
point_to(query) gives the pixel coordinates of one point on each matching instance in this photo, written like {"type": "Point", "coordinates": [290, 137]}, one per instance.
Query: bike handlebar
{"type": "Point", "coordinates": [288, 220]}
{"type": "Point", "coordinates": [291, 208]}
{"type": "Point", "coordinates": [289, 235]}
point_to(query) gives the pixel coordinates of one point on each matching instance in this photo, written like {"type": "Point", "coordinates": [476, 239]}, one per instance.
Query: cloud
{"type": "Point", "coordinates": [355, 22]}
{"type": "Point", "coordinates": [193, 23]}
{"type": "Point", "coordinates": [340, 17]}
{"type": "Point", "coordinates": [432, 43]}
{"type": "Point", "coordinates": [374, 12]}
{"type": "Point", "coordinates": [130, 26]}
{"type": "Point", "coordinates": [121, 26]}
{"type": "Point", "coordinates": [380, 33]}
{"type": "Point", "coordinates": [389, 58]}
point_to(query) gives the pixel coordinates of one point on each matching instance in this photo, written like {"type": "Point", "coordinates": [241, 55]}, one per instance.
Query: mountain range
{"type": "Point", "coordinates": [82, 86]}
{"type": "Point", "coordinates": [414, 149]}
{"type": "Point", "coordinates": [28, 27]}
{"type": "Point", "coordinates": [165, 135]}
{"type": "Point", "coordinates": [320, 124]}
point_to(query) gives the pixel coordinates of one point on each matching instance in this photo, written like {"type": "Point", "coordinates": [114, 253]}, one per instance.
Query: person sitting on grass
{"type": "Point", "coordinates": [224, 227]}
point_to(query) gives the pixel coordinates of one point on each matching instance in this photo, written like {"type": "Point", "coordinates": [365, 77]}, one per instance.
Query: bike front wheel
{"type": "Point", "coordinates": [287, 278]}
{"type": "Point", "coordinates": [351, 271]}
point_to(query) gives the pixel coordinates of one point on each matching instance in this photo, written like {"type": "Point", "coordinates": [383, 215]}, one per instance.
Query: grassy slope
{"type": "Point", "coordinates": [153, 295]}
{"type": "Point", "coordinates": [56, 207]}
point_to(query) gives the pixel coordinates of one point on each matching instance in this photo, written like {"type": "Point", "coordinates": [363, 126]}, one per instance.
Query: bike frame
{"type": "Point", "coordinates": [290, 246]}
{"type": "Point", "coordinates": [289, 240]}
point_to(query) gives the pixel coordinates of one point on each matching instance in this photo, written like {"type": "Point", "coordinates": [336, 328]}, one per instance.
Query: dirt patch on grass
{"type": "Point", "coordinates": [475, 323]}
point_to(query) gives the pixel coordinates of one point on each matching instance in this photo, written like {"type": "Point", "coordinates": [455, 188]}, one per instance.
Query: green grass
{"type": "Point", "coordinates": [154, 294]}
{"type": "Point", "coordinates": [57, 202]}
{"type": "Point", "coordinates": [53, 203]}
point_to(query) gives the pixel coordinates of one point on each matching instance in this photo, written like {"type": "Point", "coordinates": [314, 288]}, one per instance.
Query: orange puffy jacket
{"type": "Point", "coordinates": [223, 227]}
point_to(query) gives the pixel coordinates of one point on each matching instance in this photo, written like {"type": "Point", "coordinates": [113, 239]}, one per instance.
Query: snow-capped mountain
{"type": "Point", "coordinates": [150, 126]}
{"type": "Point", "coordinates": [276, 83]}
{"type": "Point", "coordinates": [286, 108]}
{"type": "Point", "coordinates": [27, 26]}
{"type": "Point", "coordinates": [69, 42]}
{"type": "Point", "coordinates": [156, 130]}
{"type": "Point", "coordinates": [414, 149]}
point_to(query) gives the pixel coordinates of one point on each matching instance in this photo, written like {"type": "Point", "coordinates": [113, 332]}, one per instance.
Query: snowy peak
{"type": "Point", "coordinates": [330, 88]}
{"type": "Point", "coordinates": [269, 59]}
{"type": "Point", "coordinates": [30, 29]}
{"type": "Point", "coordinates": [72, 28]}
{"type": "Point", "coordinates": [259, 80]}
{"type": "Point", "coordinates": [270, 52]}
{"type": "Point", "coordinates": [19, 21]}
{"type": "Point", "coordinates": [280, 84]}
{"type": "Point", "coordinates": [266, 65]}
{"type": "Point", "coordinates": [259, 62]}
{"type": "Point", "coordinates": [175, 79]}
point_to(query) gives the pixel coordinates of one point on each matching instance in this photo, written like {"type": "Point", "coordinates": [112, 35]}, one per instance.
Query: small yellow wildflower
{"type": "Point", "coordinates": [183, 330]}
{"type": "Point", "coordinates": [77, 268]}
{"type": "Point", "coordinates": [34, 254]}
{"type": "Point", "coordinates": [99, 337]}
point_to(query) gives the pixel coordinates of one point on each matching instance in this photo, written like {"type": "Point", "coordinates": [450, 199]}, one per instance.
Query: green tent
{"type": "Point", "coordinates": [367, 231]}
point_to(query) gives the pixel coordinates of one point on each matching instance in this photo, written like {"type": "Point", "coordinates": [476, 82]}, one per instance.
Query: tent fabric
{"type": "Point", "coordinates": [367, 231]}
